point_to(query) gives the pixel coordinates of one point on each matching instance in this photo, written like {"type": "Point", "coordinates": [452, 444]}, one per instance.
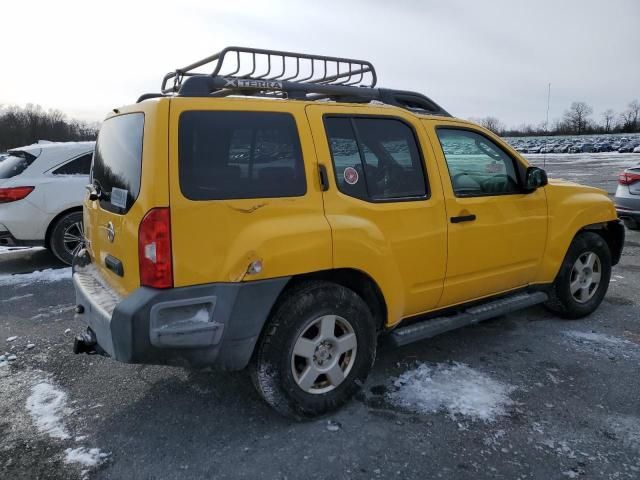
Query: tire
{"type": "Point", "coordinates": [631, 224]}
{"type": "Point", "coordinates": [573, 294]}
{"type": "Point", "coordinates": [282, 377]}
{"type": "Point", "coordinates": [67, 236]}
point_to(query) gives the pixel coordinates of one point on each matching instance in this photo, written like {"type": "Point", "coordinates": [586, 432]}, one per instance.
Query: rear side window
{"type": "Point", "coordinates": [227, 155]}
{"type": "Point", "coordinates": [15, 163]}
{"type": "Point", "coordinates": [376, 158]}
{"type": "Point", "coordinates": [117, 162]}
{"type": "Point", "coordinates": [78, 166]}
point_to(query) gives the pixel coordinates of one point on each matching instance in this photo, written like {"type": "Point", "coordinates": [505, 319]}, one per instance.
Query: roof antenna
{"type": "Point", "coordinates": [546, 128]}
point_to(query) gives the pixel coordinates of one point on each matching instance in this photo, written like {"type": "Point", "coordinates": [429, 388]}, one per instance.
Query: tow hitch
{"type": "Point", "coordinates": [87, 343]}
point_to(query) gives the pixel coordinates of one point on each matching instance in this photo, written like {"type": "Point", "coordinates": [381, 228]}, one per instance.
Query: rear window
{"type": "Point", "coordinates": [227, 155]}
{"type": "Point", "coordinates": [78, 166]}
{"type": "Point", "coordinates": [14, 163]}
{"type": "Point", "coordinates": [117, 162]}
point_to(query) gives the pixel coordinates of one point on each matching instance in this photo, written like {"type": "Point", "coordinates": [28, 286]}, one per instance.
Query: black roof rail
{"type": "Point", "coordinates": [271, 73]}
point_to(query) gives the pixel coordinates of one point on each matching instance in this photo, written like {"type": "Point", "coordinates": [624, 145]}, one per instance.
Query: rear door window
{"type": "Point", "coordinates": [234, 155]}
{"type": "Point", "coordinates": [14, 163]}
{"type": "Point", "coordinates": [78, 166]}
{"type": "Point", "coordinates": [376, 159]}
{"type": "Point", "coordinates": [117, 162]}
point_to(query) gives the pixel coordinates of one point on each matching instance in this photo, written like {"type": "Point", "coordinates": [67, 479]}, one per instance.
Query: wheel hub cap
{"type": "Point", "coordinates": [585, 277]}
{"type": "Point", "coordinates": [324, 354]}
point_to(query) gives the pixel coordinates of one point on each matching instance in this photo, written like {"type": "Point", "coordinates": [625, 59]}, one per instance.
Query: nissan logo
{"type": "Point", "coordinates": [111, 232]}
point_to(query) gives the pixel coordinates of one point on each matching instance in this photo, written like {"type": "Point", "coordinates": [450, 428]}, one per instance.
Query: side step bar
{"type": "Point", "coordinates": [436, 326]}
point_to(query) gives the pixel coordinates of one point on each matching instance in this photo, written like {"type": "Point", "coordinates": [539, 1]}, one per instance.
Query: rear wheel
{"type": "Point", "coordinates": [67, 237]}
{"type": "Point", "coordinates": [583, 279]}
{"type": "Point", "coordinates": [316, 352]}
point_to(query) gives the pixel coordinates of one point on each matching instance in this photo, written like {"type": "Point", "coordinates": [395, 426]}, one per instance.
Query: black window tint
{"type": "Point", "coordinates": [477, 166]}
{"type": "Point", "coordinates": [14, 163]}
{"type": "Point", "coordinates": [376, 158]}
{"type": "Point", "coordinates": [117, 161]}
{"type": "Point", "coordinates": [346, 156]}
{"type": "Point", "coordinates": [225, 155]}
{"type": "Point", "coordinates": [78, 166]}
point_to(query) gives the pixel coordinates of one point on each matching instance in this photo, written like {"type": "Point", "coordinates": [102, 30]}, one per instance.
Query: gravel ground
{"type": "Point", "coordinates": [525, 395]}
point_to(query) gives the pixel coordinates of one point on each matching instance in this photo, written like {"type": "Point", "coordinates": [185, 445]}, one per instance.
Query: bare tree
{"type": "Point", "coordinates": [491, 123]}
{"type": "Point", "coordinates": [23, 126]}
{"type": "Point", "coordinates": [577, 117]}
{"type": "Point", "coordinates": [608, 116]}
{"type": "Point", "coordinates": [634, 114]}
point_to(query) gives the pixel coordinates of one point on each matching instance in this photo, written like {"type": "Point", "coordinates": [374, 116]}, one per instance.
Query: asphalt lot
{"type": "Point", "coordinates": [525, 395]}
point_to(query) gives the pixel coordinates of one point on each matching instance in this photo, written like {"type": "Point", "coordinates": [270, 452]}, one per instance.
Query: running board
{"type": "Point", "coordinates": [478, 313]}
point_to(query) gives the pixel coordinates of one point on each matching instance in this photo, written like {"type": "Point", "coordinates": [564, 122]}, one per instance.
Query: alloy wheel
{"type": "Point", "coordinates": [324, 354]}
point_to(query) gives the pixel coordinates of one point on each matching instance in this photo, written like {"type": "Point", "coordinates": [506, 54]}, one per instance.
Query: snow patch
{"type": "Point", "coordinates": [47, 405]}
{"type": "Point", "coordinates": [599, 338]}
{"type": "Point", "coordinates": [603, 344]}
{"type": "Point", "coordinates": [455, 389]}
{"type": "Point", "coordinates": [87, 457]}
{"type": "Point", "coordinates": [46, 276]}
{"type": "Point", "coordinates": [18, 297]}
{"type": "Point", "coordinates": [4, 250]}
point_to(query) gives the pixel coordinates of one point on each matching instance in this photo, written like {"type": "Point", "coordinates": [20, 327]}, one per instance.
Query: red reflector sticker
{"type": "Point", "coordinates": [350, 175]}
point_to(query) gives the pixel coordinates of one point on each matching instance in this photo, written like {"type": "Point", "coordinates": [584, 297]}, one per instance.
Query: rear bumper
{"type": "Point", "coordinates": [215, 324]}
{"type": "Point", "coordinates": [628, 213]}
{"type": "Point", "coordinates": [8, 240]}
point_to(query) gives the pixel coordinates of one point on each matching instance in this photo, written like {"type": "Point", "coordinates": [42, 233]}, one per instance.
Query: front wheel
{"type": "Point", "coordinates": [583, 278]}
{"type": "Point", "coordinates": [316, 351]}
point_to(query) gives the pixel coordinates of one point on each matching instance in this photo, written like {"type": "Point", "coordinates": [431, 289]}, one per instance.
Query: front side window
{"type": "Point", "coordinates": [477, 166]}
{"type": "Point", "coordinates": [375, 158]}
{"type": "Point", "coordinates": [234, 155]}
{"type": "Point", "coordinates": [78, 166]}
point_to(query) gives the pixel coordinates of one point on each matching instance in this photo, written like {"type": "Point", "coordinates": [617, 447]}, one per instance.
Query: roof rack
{"type": "Point", "coordinates": [271, 73]}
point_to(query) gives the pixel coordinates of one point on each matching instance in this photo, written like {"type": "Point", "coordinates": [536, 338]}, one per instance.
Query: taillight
{"type": "Point", "coordinates": [154, 249]}
{"type": "Point", "coordinates": [12, 194]}
{"type": "Point", "coordinates": [626, 178]}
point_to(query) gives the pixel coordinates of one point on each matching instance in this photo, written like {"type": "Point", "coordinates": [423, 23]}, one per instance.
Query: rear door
{"type": "Point", "coordinates": [497, 233]}
{"type": "Point", "coordinates": [384, 202]}
{"type": "Point", "coordinates": [130, 170]}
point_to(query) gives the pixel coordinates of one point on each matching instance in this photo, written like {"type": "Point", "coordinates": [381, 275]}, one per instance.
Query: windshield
{"type": "Point", "coordinates": [14, 163]}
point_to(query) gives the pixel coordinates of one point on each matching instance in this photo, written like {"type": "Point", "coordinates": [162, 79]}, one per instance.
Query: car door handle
{"type": "Point", "coordinates": [463, 218]}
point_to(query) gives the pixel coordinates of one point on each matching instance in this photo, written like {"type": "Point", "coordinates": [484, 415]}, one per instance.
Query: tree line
{"type": "Point", "coordinates": [20, 126]}
{"type": "Point", "coordinates": [576, 120]}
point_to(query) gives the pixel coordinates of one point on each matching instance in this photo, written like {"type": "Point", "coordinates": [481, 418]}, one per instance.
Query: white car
{"type": "Point", "coordinates": [41, 191]}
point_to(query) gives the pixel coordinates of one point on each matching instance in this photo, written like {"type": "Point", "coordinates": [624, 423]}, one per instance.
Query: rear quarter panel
{"type": "Point", "coordinates": [216, 240]}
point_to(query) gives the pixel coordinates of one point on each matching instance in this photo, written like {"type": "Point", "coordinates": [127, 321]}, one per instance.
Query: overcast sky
{"type": "Point", "coordinates": [474, 58]}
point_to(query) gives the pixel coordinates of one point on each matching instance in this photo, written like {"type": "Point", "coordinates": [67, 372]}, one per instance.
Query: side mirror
{"type": "Point", "coordinates": [535, 178]}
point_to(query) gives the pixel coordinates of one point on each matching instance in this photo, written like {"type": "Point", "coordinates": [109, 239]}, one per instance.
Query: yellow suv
{"type": "Point", "coordinates": [282, 212]}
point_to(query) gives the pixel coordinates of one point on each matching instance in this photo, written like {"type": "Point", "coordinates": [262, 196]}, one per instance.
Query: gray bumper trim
{"type": "Point", "coordinates": [241, 309]}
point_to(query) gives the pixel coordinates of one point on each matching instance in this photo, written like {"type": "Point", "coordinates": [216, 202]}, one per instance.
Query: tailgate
{"type": "Point", "coordinates": [129, 172]}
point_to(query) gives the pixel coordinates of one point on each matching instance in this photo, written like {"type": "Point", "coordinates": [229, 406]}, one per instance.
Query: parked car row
{"type": "Point", "coordinates": [581, 144]}
{"type": "Point", "coordinates": [41, 193]}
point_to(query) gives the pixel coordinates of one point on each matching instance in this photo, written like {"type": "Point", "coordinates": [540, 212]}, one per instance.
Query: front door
{"type": "Point", "coordinates": [497, 233]}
